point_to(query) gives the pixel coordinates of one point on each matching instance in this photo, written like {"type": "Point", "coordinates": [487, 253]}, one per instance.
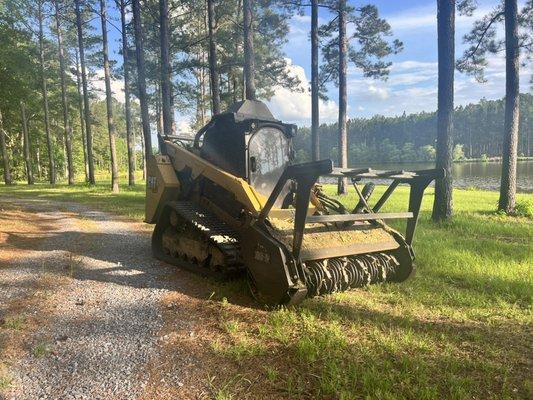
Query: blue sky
{"type": "Point", "coordinates": [412, 84]}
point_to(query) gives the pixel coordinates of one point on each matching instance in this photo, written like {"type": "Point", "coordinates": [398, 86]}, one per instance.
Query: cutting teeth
{"type": "Point", "coordinates": [342, 273]}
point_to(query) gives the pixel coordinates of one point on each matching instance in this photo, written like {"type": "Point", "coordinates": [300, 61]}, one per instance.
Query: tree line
{"type": "Point", "coordinates": [201, 56]}
{"type": "Point", "coordinates": [194, 57]}
{"type": "Point", "coordinates": [409, 138]}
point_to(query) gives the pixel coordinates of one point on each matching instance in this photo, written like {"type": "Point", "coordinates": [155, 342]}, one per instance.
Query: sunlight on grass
{"type": "Point", "coordinates": [128, 202]}
{"type": "Point", "coordinates": [460, 328]}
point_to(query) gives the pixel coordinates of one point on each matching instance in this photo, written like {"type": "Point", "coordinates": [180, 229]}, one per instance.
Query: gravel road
{"type": "Point", "coordinates": [81, 305]}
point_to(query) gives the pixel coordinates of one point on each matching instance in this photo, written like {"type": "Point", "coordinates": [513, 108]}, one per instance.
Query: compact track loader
{"type": "Point", "coordinates": [231, 202]}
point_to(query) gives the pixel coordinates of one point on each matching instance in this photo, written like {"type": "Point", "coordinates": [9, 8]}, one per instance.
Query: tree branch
{"type": "Point", "coordinates": [484, 33]}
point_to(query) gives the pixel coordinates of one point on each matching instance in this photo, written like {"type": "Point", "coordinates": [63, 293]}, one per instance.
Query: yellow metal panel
{"type": "Point", "coordinates": [244, 193]}
{"type": "Point", "coordinates": [162, 185]}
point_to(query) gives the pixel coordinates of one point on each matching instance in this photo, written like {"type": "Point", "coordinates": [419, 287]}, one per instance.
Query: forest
{"type": "Point", "coordinates": [411, 138]}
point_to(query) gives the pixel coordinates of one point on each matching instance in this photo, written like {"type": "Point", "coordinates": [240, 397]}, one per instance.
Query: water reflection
{"type": "Point", "coordinates": [479, 175]}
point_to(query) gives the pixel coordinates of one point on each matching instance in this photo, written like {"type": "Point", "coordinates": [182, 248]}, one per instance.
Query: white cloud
{"type": "Point", "coordinates": [425, 17]}
{"type": "Point", "coordinates": [468, 90]}
{"type": "Point", "coordinates": [414, 18]}
{"type": "Point", "coordinates": [411, 64]}
{"type": "Point", "coordinates": [97, 83]}
{"type": "Point", "coordinates": [381, 93]}
{"type": "Point", "coordinates": [290, 106]}
{"type": "Point", "coordinates": [300, 26]}
{"type": "Point", "coordinates": [412, 73]}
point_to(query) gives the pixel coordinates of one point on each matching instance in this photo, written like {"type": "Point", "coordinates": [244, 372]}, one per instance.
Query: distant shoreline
{"type": "Point", "coordinates": [463, 160]}
{"type": "Point", "coordinates": [490, 159]}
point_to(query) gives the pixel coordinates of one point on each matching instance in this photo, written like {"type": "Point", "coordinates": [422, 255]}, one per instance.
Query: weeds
{"type": "Point", "coordinates": [5, 378]}
{"type": "Point", "coordinates": [42, 350]}
{"type": "Point", "coordinates": [524, 208]}
{"type": "Point", "coordinates": [16, 323]}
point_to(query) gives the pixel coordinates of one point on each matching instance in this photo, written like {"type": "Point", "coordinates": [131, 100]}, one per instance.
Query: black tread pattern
{"type": "Point", "coordinates": [215, 231]}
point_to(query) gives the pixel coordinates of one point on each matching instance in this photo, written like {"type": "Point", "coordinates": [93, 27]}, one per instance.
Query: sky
{"type": "Point", "coordinates": [412, 84]}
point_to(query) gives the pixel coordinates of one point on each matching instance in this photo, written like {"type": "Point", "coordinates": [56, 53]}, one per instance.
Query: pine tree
{"type": "Point", "coordinates": [76, 72]}
{"type": "Point", "coordinates": [249, 55]}
{"type": "Point", "coordinates": [213, 66]}
{"type": "Point", "coordinates": [369, 32]}
{"type": "Point", "coordinates": [130, 142]}
{"type": "Point", "coordinates": [44, 86]}
{"type": "Point", "coordinates": [86, 103]}
{"type": "Point", "coordinates": [442, 207]}
{"type": "Point", "coordinates": [483, 40]}
{"type": "Point", "coordinates": [166, 72]}
{"type": "Point", "coordinates": [26, 144]}
{"type": "Point", "coordinates": [66, 117]}
{"type": "Point", "coordinates": [141, 78]}
{"type": "Point", "coordinates": [5, 155]}
{"type": "Point", "coordinates": [315, 146]}
{"type": "Point", "coordinates": [109, 100]}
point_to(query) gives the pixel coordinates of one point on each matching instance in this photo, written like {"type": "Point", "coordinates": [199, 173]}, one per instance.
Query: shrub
{"type": "Point", "coordinates": [524, 208]}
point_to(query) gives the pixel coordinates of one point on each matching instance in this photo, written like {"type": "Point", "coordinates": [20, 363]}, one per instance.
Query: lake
{"type": "Point", "coordinates": [479, 175]}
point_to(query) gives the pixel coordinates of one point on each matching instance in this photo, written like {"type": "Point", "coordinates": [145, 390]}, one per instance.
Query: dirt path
{"type": "Point", "coordinates": [84, 308]}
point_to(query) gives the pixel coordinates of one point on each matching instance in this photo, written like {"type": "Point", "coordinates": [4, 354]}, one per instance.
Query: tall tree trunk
{"type": "Point", "coordinates": [38, 160]}
{"type": "Point", "coordinates": [213, 68]}
{"type": "Point", "coordinates": [442, 206]}
{"type": "Point", "coordinates": [507, 201]}
{"type": "Point", "coordinates": [82, 119]}
{"type": "Point", "coordinates": [86, 106]}
{"type": "Point", "coordinates": [65, 164]}
{"type": "Point", "coordinates": [141, 77]}
{"type": "Point", "coordinates": [165, 68]}
{"type": "Point", "coordinates": [26, 145]}
{"type": "Point", "coordinates": [315, 141]}
{"type": "Point", "coordinates": [134, 152]}
{"type": "Point", "coordinates": [109, 100]}
{"type": "Point", "coordinates": [129, 132]}
{"type": "Point", "coordinates": [5, 156]}
{"type": "Point", "coordinates": [343, 128]}
{"type": "Point", "coordinates": [249, 55]}
{"type": "Point", "coordinates": [158, 112]}
{"type": "Point", "coordinates": [51, 161]}
{"type": "Point", "coordinates": [143, 158]}
{"type": "Point", "coordinates": [66, 121]}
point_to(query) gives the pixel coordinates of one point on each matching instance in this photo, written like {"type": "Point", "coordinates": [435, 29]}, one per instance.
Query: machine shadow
{"type": "Point", "coordinates": [124, 259]}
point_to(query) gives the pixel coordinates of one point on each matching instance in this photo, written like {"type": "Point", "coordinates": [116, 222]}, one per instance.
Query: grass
{"type": "Point", "coordinates": [42, 350]}
{"type": "Point", "coordinates": [15, 323]}
{"type": "Point", "coordinates": [460, 329]}
{"type": "Point", "coordinates": [5, 378]}
{"type": "Point", "coordinates": [128, 202]}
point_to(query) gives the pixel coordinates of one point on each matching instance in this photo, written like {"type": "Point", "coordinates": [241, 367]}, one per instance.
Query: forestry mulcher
{"type": "Point", "coordinates": [232, 202]}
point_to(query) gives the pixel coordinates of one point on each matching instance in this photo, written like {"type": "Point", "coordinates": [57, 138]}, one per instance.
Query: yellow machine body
{"type": "Point", "coordinates": [218, 211]}
{"type": "Point", "coordinates": [162, 185]}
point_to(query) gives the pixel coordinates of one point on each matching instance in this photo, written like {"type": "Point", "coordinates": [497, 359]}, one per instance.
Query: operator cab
{"type": "Point", "coordinates": [248, 142]}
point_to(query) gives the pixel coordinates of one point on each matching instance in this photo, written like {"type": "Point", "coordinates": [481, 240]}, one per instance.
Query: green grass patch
{"type": "Point", "coordinates": [42, 350]}
{"type": "Point", "coordinates": [16, 323]}
{"type": "Point", "coordinates": [524, 208]}
{"type": "Point", "coordinates": [5, 378]}
{"type": "Point", "coordinates": [128, 202]}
